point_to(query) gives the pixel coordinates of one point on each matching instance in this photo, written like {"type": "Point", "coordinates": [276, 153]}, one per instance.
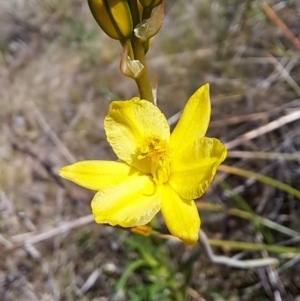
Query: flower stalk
{"type": "Point", "coordinates": [143, 81]}
{"type": "Point", "coordinates": [133, 21]}
{"type": "Point", "coordinates": [157, 170]}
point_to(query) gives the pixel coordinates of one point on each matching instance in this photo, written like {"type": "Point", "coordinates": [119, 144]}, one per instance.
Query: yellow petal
{"type": "Point", "coordinates": [194, 120]}
{"type": "Point", "coordinates": [96, 175]}
{"type": "Point", "coordinates": [132, 203]}
{"type": "Point", "coordinates": [129, 123]}
{"type": "Point", "coordinates": [180, 215]}
{"type": "Point", "coordinates": [195, 167]}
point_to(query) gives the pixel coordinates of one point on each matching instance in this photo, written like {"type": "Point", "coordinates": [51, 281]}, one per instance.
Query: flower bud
{"type": "Point", "coordinates": [150, 3]}
{"type": "Point", "coordinates": [113, 16]}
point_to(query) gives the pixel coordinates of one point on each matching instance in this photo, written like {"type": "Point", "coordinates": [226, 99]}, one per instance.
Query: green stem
{"type": "Point", "coordinates": [143, 81]}
{"type": "Point", "coordinates": [132, 267]}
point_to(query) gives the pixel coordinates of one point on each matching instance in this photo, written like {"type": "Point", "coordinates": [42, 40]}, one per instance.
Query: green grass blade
{"type": "Point", "coordinates": [262, 178]}
{"type": "Point", "coordinates": [240, 245]}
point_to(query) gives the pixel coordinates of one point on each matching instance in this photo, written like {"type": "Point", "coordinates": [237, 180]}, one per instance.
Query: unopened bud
{"type": "Point", "coordinates": [150, 3]}
{"type": "Point", "coordinates": [113, 16]}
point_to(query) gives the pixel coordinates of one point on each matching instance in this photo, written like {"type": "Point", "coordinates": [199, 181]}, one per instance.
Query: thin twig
{"type": "Point", "coordinates": [285, 75]}
{"type": "Point", "coordinates": [280, 24]}
{"type": "Point", "coordinates": [90, 282]}
{"type": "Point", "coordinates": [273, 277]}
{"type": "Point", "coordinates": [47, 129]}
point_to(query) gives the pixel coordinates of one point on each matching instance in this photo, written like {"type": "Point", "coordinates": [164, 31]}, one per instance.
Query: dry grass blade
{"type": "Point", "coordinates": [264, 129]}
{"type": "Point", "coordinates": [238, 119]}
{"type": "Point", "coordinates": [20, 240]}
{"type": "Point", "coordinates": [263, 155]}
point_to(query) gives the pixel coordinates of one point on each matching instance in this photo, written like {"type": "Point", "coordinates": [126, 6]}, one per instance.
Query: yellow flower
{"type": "Point", "coordinates": [157, 171]}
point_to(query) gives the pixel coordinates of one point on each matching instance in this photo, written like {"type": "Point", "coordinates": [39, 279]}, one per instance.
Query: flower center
{"type": "Point", "coordinates": [156, 150]}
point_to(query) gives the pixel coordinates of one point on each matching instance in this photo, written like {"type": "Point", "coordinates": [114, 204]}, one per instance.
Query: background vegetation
{"type": "Point", "coordinates": [58, 74]}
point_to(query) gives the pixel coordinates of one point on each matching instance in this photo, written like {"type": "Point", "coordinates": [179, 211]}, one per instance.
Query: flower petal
{"type": "Point", "coordinates": [131, 203]}
{"type": "Point", "coordinates": [96, 175]}
{"type": "Point", "coordinates": [181, 216]}
{"type": "Point", "coordinates": [195, 167]}
{"type": "Point", "coordinates": [194, 120]}
{"type": "Point", "coordinates": [128, 123]}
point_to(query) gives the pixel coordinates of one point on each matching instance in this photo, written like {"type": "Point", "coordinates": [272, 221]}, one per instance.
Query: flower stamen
{"type": "Point", "coordinates": [156, 150]}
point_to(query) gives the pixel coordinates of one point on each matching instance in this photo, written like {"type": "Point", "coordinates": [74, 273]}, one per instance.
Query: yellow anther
{"type": "Point", "coordinates": [157, 151]}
